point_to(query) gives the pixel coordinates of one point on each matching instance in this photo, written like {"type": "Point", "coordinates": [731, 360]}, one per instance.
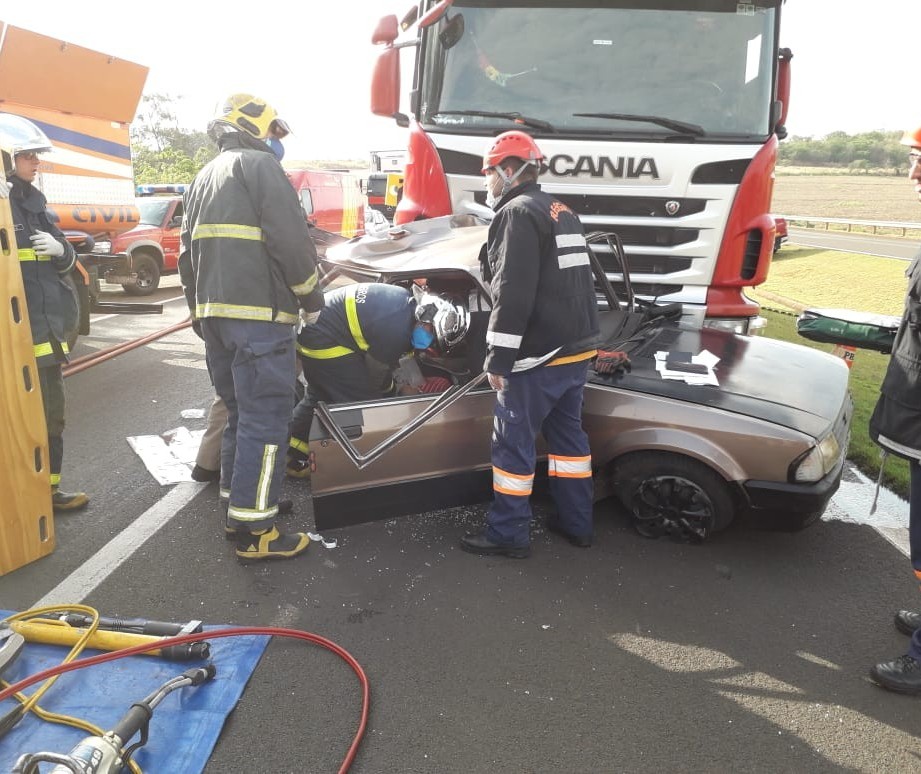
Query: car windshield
{"type": "Point", "coordinates": [646, 67]}
{"type": "Point", "coordinates": [152, 211]}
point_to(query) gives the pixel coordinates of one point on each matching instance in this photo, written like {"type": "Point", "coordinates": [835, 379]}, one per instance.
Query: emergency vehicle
{"type": "Point", "coordinates": [659, 122]}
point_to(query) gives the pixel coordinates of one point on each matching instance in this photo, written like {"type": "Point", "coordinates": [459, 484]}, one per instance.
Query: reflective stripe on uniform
{"type": "Point", "coordinates": [55, 480]}
{"type": "Point", "coordinates": [573, 358]}
{"type": "Point", "coordinates": [41, 350]}
{"type": "Point", "coordinates": [351, 312]}
{"type": "Point", "coordinates": [306, 286]}
{"type": "Point", "coordinates": [28, 254]}
{"type": "Point", "coordinates": [238, 312]}
{"type": "Point", "coordinates": [569, 467]}
{"type": "Point", "coordinates": [298, 445]}
{"type": "Point", "coordinates": [324, 354]}
{"type": "Point", "coordinates": [572, 250]}
{"type": "Point", "coordinates": [269, 453]}
{"type": "Point", "coordinates": [251, 514]}
{"type": "Point", "coordinates": [511, 483]}
{"type": "Point", "coordinates": [226, 231]}
{"type": "Point", "coordinates": [496, 339]}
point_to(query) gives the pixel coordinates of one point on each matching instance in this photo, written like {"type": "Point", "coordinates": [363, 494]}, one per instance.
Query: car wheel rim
{"type": "Point", "coordinates": [671, 505]}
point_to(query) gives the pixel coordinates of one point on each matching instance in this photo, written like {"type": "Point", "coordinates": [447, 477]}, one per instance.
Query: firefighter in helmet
{"type": "Point", "coordinates": [45, 258]}
{"type": "Point", "coordinates": [248, 269]}
{"type": "Point", "coordinates": [368, 321]}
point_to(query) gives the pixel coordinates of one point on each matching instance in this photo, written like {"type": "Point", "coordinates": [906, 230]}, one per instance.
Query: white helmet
{"type": "Point", "coordinates": [19, 135]}
{"type": "Point", "coordinates": [448, 320]}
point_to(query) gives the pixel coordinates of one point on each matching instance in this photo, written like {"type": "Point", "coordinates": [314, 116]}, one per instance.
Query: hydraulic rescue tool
{"type": "Point", "coordinates": [51, 631]}
{"type": "Point", "coordinates": [107, 754]}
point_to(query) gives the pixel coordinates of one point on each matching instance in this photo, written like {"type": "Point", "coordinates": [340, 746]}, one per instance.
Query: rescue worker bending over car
{"type": "Point", "coordinates": [248, 266]}
{"type": "Point", "coordinates": [358, 322]}
{"type": "Point", "coordinates": [45, 258]}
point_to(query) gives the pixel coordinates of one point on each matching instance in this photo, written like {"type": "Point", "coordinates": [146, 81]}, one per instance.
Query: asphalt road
{"type": "Point", "coordinates": [887, 247]}
{"type": "Point", "coordinates": [747, 654]}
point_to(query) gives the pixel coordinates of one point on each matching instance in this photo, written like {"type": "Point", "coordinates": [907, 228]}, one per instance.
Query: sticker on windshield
{"type": "Point", "coordinates": [745, 9]}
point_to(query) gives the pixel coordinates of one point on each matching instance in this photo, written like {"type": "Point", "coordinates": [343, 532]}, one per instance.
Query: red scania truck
{"type": "Point", "coordinates": [659, 121]}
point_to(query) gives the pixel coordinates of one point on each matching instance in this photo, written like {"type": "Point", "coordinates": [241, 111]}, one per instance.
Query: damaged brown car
{"type": "Point", "coordinates": [768, 438]}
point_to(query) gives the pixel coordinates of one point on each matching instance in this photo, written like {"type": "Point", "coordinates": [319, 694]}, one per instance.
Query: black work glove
{"type": "Point", "coordinates": [610, 361]}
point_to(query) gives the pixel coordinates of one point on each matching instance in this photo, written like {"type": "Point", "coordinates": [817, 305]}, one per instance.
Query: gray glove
{"type": "Point", "coordinates": [45, 244]}
{"type": "Point", "coordinates": [309, 318]}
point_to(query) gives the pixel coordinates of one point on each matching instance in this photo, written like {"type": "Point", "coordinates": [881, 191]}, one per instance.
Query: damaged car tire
{"type": "Point", "coordinates": [670, 494]}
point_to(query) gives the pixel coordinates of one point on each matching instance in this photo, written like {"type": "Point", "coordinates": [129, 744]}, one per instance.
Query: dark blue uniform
{"type": "Point", "coordinates": [52, 304]}
{"type": "Point", "coordinates": [542, 333]}
{"type": "Point", "coordinates": [357, 320]}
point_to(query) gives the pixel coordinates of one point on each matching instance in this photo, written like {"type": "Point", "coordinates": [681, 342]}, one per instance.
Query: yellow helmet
{"type": "Point", "coordinates": [252, 115]}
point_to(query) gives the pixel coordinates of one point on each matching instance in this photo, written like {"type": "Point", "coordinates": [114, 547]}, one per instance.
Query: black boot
{"type": "Point", "coordinates": [902, 675]}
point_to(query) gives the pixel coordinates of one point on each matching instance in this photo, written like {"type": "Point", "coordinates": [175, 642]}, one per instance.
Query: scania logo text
{"type": "Point", "coordinates": [603, 166]}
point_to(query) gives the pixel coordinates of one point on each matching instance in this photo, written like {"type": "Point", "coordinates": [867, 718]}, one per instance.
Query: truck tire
{"type": "Point", "coordinates": [148, 270]}
{"type": "Point", "coordinates": [670, 494]}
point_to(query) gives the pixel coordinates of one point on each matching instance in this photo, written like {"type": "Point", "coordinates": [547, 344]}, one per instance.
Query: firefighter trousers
{"type": "Point", "coordinates": [341, 379]}
{"type": "Point", "coordinates": [252, 364]}
{"type": "Point", "coordinates": [51, 381]}
{"type": "Point", "coordinates": [545, 400]}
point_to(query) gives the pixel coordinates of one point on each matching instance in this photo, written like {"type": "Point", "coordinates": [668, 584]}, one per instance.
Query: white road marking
{"type": "Point", "coordinates": [84, 580]}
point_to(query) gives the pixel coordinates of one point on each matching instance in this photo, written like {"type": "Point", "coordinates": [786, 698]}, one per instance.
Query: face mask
{"type": "Point", "coordinates": [422, 337]}
{"type": "Point", "coordinates": [277, 148]}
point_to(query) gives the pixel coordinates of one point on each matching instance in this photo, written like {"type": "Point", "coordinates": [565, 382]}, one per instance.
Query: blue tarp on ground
{"type": "Point", "coordinates": [185, 725]}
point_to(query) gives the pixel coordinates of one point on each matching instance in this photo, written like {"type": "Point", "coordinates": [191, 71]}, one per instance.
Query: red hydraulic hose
{"type": "Point", "coordinates": [234, 631]}
{"type": "Point", "coordinates": [79, 364]}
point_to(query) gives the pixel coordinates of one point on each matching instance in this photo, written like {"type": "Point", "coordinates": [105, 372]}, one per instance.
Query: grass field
{"type": "Point", "coordinates": [805, 277]}
{"type": "Point", "coordinates": [858, 197]}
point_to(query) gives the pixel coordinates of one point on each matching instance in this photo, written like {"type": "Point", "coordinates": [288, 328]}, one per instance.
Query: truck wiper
{"type": "Point", "coordinates": [668, 123]}
{"type": "Point", "coordinates": [518, 118]}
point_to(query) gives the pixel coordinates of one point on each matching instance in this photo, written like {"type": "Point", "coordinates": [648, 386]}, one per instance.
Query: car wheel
{"type": "Point", "coordinates": [148, 271]}
{"type": "Point", "coordinates": [778, 241]}
{"type": "Point", "coordinates": [670, 494]}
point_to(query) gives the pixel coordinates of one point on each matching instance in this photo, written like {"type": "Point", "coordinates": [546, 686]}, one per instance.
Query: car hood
{"type": "Point", "coordinates": [788, 384]}
{"type": "Point", "coordinates": [447, 243]}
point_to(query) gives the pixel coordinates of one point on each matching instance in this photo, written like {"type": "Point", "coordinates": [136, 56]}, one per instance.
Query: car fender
{"type": "Point", "coordinates": [676, 441]}
{"type": "Point", "coordinates": [146, 244]}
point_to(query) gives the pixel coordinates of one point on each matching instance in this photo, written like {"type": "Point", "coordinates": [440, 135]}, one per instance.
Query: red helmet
{"type": "Point", "coordinates": [912, 138]}
{"type": "Point", "coordinates": [513, 143]}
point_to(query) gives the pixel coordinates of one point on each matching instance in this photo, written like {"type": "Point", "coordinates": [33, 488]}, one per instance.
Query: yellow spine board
{"type": "Point", "coordinates": [26, 518]}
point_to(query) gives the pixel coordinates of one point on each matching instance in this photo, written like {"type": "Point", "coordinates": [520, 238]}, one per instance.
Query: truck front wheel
{"type": "Point", "coordinates": [148, 270]}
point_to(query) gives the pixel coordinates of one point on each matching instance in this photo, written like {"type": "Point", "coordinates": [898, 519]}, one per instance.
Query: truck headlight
{"type": "Point", "coordinates": [818, 461]}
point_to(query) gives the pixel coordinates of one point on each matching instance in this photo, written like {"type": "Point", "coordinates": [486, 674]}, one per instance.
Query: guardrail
{"type": "Point", "coordinates": [849, 224]}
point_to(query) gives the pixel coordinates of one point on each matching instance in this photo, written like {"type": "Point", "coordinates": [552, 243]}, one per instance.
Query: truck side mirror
{"type": "Point", "coordinates": [385, 84]}
{"type": "Point", "coordinates": [175, 222]}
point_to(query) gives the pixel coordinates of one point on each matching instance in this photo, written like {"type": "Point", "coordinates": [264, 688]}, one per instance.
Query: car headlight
{"type": "Point", "coordinates": [818, 461]}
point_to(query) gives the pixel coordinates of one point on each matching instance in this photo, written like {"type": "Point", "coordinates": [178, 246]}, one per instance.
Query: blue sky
{"type": "Point", "coordinates": [313, 59]}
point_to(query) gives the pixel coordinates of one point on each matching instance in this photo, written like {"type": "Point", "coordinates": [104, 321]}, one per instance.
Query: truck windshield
{"type": "Point", "coordinates": [153, 211]}
{"type": "Point", "coordinates": [603, 67]}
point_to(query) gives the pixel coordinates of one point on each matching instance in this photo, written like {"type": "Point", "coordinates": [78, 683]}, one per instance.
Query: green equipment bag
{"type": "Point", "coordinates": [863, 330]}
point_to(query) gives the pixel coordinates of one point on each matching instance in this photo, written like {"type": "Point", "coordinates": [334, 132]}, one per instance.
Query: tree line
{"type": "Point", "coordinates": [868, 152]}
{"type": "Point", "coordinates": [165, 153]}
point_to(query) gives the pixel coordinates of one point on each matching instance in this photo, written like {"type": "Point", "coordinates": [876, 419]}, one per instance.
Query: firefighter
{"type": "Point", "coordinates": [248, 268]}
{"type": "Point", "coordinates": [896, 426]}
{"type": "Point", "coordinates": [46, 259]}
{"type": "Point", "coordinates": [542, 333]}
{"type": "Point", "coordinates": [358, 322]}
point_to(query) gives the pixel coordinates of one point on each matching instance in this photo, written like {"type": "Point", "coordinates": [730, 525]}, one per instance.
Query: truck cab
{"type": "Point", "coordinates": [152, 246]}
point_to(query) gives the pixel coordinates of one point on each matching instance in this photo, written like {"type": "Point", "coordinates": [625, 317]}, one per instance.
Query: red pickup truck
{"type": "Point", "coordinates": [152, 246]}
{"type": "Point", "coordinates": [780, 231]}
